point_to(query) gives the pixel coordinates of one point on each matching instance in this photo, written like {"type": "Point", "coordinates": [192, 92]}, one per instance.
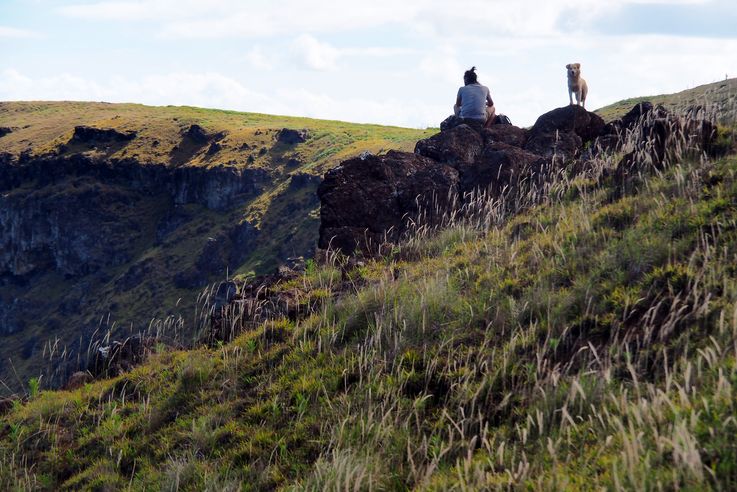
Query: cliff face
{"type": "Point", "coordinates": [69, 222]}
{"type": "Point", "coordinates": [111, 228]}
{"type": "Point", "coordinates": [112, 216]}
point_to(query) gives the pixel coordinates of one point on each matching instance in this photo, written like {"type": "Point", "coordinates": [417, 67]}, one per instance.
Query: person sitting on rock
{"type": "Point", "coordinates": [474, 100]}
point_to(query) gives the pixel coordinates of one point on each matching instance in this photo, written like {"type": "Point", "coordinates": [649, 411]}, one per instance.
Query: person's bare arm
{"type": "Point", "coordinates": [489, 100]}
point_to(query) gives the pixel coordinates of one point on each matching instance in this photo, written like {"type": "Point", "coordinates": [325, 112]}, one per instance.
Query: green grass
{"type": "Point", "coordinates": [43, 126]}
{"type": "Point", "coordinates": [585, 342]}
{"type": "Point", "coordinates": [719, 95]}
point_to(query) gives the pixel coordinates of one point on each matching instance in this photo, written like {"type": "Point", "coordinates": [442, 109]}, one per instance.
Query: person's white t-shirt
{"type": "Point", "coordinates": [473, 101]}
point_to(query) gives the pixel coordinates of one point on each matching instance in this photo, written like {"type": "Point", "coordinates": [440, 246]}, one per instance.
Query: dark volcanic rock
{"type": "Point", "coordinates": [563, 131]}
{"type": "Point", "coordinates": [194, 140]}
{"type": "Point", "coordinates": [299, 181]}
{"type": "Point", "coordinates": [500, 165]}
{"type": "Point", "coordinates": [214, 148]}
{"type": "Point", "coordinates": [68, 229]}
{"type": "Point", "coordinates": [614, 133]}
{"type": "Point", "coordinates": [460, 144]}
{"type": "Point", "coordinates": [635, 114]}
{"type": "Point", "coordinates": [216, 188]}
{"type": "Point", "coordinates": [657, 136]}
{"type": "Point", "coordinates": [367, 202]}
{"type": "Point", "coordinates": [196, 134]}
{"type": "Point", "coordinates": [77, 380]}
{"type": "Point", "coordinates": [4, 130]}
{"type": "Point", "coordinates": [120, 356]}
{"type": "Point", "coordinates": [292, 137]}
{"type": "Point", "coordinates": [6, 405]}
{"type": "Point", "coordinates": [263, 298]}
{"type": "Point", "coordinates": [507, 134]}
{"type": "Point", "coordinates": [11, 316]}
{"type": "Point", "coordinates": [100, 136]}
{"type": "Point", "coordinates": [453, 121]}
{"type": "Point", "coordinates": [74, 224]}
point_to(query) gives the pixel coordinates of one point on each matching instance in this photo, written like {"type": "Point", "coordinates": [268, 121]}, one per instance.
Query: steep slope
{"type": "Point", "coordinates": [118, 215]}
{"type": "Point", "coordinates": [582, 340]}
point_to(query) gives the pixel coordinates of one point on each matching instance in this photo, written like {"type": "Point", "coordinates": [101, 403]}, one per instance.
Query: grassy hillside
{"type": "Point", "coordinates": [160, 242]}
{"type": "Point", "coordinates": [40, 127]}
{"type": "Point", "coordinates": [584, 343]}
{"type": "Point", "coordinates": [717, 95]}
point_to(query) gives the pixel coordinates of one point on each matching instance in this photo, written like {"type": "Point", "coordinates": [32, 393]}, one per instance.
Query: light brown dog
{"type": "Point", "coordinates": [576, 85]}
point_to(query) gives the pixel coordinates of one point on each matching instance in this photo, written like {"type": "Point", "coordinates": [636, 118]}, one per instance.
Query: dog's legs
{"type": "Point", "coordinates": [584, 93]}
{"type": "Point", "coordinates": [570, 97]}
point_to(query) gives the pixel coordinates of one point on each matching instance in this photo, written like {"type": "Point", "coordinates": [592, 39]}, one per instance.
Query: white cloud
{"type": "Point", "coordinates": [313, 54]}
{"type": "Point", "coordinates": [14, 32]}
{"type": "Point", "coordinates": [258, 59]}
{"type": "Point", "coordinates": [228, 18]}
{"type": "Point", "coordinates": [443, 64]}
{"type": "Point", "coordinates": [238, 18]}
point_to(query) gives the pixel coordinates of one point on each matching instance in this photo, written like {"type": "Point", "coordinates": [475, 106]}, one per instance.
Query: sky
{"type": "Point", "coordinates": [397, 62]}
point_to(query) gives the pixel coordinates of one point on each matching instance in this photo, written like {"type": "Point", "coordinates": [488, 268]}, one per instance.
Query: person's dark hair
{"type": "Point", "coordinates": [470, 76]}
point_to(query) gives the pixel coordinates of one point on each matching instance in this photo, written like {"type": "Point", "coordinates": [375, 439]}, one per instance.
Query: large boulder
{"type": "Point", "coordinates": [561, 133]}
{"type": "Point", "coordinates": [506, 134]}
{"type": "Point", "coordinates": [500, 165]}
{"type": "Point", "coordinates": [460, 144]}
{"type": "Point", "coordinates": [372, 200]}
{"type": "Point", "coordinates": [120, 356]}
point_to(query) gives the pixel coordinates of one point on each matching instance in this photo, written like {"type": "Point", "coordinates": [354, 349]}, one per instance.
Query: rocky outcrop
{"type": "Point", "coordinates": [73, 223]}
{"type": "Point", "coordinates": [69, 230]}
{"type": "Point", "coordinates": [265, 297]}
{"type": "Point", "coordinates": [371, 200]}
{"type": "Point", "coordinates": [78, 380]}
{"type": "Point", "coordinates": [653, 138]}
{"type": "Point", "coordinates": [217, 188]}
{"type": "Point", "coordinates": [100, 136]}
{"type": "Point", "coordinates": [11, 316]}
{"type": "Point", "coordinates": [459, 145]}
{"type": "Point", "coordinates": [120, 356]}
{"type": "Point", "coordinates": [299, 181]}
{"type": "Point", "coordinates": [506, 134]}
{"type": "Point", "coordinates": [197, 135]}
{"type": "Point", "coordinates": [560, 134]}
{"type": "Point", "coordinates": [367, 202]}
{"type": "Point", "coordinates": [194, 140]}
{"type": "Point", "coordinates": [289, 136]}
{"type": "Point", "coordinates": [499, 166]}
{"type": "Point", "coordinates": [4, 130]}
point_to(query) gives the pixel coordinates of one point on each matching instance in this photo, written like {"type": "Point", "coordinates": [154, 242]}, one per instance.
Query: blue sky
{"type": "Point", "coordinates": [390, 62]}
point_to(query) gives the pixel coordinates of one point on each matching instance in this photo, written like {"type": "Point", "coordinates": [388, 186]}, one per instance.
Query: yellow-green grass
{"type": "Point", "coordinates": [718, 95]}
{"type": "Point", "coordinates": [41, 127]}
